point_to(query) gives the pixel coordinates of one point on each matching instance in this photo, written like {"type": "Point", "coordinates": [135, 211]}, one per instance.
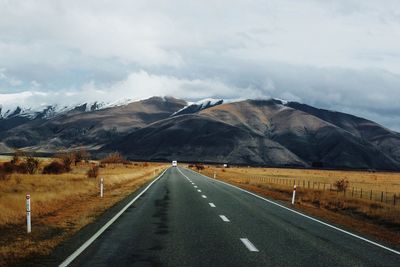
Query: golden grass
{"type": "Point", "coordinates": [379, 181]}
{"type": "Point", "coordinates": [61, 205]}
{"type": "Point", "coordinates": [381, 220]}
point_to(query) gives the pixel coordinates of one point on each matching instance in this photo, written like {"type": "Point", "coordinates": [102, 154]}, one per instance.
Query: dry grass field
{"type": "Point", "coordinates": [61, 204]}
{"type": "Point", "coordinates": [377, 181]}
{"type": "Point", "coordinates": [317, 195]}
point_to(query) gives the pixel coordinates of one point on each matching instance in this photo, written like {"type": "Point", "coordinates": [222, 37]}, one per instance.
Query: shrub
{"type": "Point", "coordinates": [21, 168]}
{"type": "Point", "coordinates": [81, 155]}
{"type": "Point", "coordinates": [341, 185]}
{"type": "Point", "coordinates": [31, 165]}
{"type": "Point", "coordinates": [115, 157]}
{"type": "Point", "coordinates": [8, 167]}
{"type": "Point", "coordinates": [93, 172]}
{"type": "Point", "coordinates": [199, 167]}
{"type": "Point", "coordinates": [55, 167]}
{"type": "Point", "coordinates": [16, 157]}
{"type": "Point", "coordinates": [67, 160]}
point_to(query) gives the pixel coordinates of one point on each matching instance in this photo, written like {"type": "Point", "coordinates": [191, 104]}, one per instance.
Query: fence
{"type": "Point", "coordinates": [390, 198]}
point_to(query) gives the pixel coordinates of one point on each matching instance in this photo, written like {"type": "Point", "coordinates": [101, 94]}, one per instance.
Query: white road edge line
{"type": "Point", "coordinates": [85, 245]}
{"type": "Point", "coordinates": [306, 216]}
{"type": "Point", "coordinates": [203, 196]}
{"type": "Point", "coordinates": [224, 218]}
{"type": "Point", "coordinates": [211, 205]}
{"type": "Point", "coordinates": [249, 245]}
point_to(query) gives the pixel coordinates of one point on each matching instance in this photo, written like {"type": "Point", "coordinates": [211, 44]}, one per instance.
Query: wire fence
{"type": "Point", "coordinates": [390, 198]}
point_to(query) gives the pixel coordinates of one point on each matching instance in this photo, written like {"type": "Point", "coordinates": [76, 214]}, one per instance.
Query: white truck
{"type": "Point", "coordinates": [174, 163]}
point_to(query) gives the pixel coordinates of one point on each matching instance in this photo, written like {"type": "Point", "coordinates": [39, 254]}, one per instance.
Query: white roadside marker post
{"type": "Point", "coordinates": [215, 175]}
{"type": "Point", "coordinates": [294, 194]}
{"type": "Point", "coordinates": [28, 213]}
{"type": "Point", "coordinates": [101, 187]}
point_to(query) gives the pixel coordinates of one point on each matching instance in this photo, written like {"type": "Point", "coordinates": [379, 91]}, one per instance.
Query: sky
{"type": "Point", "coordinates": [340, 55]}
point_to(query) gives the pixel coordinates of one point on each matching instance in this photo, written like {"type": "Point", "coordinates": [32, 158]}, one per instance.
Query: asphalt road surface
{"type": "Point", "coordinates": [186, 219]}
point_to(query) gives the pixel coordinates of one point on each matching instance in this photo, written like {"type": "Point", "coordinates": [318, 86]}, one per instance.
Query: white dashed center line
{"type": "Point", "coordinates": [211, 205]}
{"type": "Point", "coordinates": [195, 186]}
{"type": "Point", "coordinates": [198, 190]}
{"type": "Point", "coordinates": [249, 245]}
{"type": "Point", "coordinates": [224, 218]}
{"type": "Point", "coordinates": [203, 196]}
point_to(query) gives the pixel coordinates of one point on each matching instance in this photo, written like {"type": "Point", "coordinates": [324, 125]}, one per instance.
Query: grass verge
{"type": "Point", "coordinates": [380, 221]}
{"type": "Point", "coordinates": [61, 205]}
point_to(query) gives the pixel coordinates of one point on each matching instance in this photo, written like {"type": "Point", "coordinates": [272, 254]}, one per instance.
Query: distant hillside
{"type": "Point", "coordinates": [91, 129]}
{"type": "Point", "coordinates": [258, 132]}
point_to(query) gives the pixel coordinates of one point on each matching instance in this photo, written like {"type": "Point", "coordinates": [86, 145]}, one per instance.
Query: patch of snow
{"type": "Point", "coordinates": [51, 111]}
{"type": "Point", "coordinates": [200, 105]}
{"type": "Point", "coordinates": [284, 102]}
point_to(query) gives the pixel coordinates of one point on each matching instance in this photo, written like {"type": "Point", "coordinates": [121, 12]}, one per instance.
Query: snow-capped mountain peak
{"type": "Point", "coordinates": [51, 111]}
{"type": "Point", "coordinates": [194, 107]}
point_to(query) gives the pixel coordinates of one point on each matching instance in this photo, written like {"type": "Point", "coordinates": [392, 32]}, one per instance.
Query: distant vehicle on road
{"type": "Point", "coordinates": [174, 163]}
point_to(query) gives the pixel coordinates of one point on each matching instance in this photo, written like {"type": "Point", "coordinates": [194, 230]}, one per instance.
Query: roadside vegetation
{"type": "Point", "coordinates": [368, 202]}
{"type": "Point", "coordinates": [64, 197]}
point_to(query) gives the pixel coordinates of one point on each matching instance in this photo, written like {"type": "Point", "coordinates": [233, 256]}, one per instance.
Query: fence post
{"type": "Point", "coordinates": [394, 199]}
{"type": "Point", "coordinates": [381, 196]}
{"type": "Point", "coordinates": [352, 192]}
{"type": "Point", "coordinates": [28, 213]}
{"type": "Point", "coordinates": [294, 194]}
{"type": "Point", "coordinates": [324, 186]}
{"type": "Point", "coordinates": [309, 184]}
{"type": "Point", "coordinates": [361, 193]}
{"type": "Point", "coordinates": [370, 195]}
{"type": "Point", "coordinates": [215, 175]}
{"type": "Point", "coordinates": [101, 187]}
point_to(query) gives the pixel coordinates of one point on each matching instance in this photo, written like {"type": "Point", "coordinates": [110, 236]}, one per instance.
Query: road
{"type": "Point", "coordinates": [186, 219]}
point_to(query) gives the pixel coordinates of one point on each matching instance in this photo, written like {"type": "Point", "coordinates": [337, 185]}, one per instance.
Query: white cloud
{"type": "Point", "coordinates": [341, 55]}
{"type": "Point", "coordinates": [9, 80]}
{"type": "Point", "coordinates": [136, 86]}
{"type": "Point", "coordinates": [142, 85]}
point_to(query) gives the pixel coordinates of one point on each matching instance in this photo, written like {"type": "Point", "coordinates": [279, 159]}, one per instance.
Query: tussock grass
{"type": "Point", "coordinates": [379, 181]}
{"type": "Point", "coordinates": [60, 204]}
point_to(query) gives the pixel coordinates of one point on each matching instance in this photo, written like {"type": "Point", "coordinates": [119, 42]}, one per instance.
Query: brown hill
{"type": "Point", "coordinates": [257, 132]}
{"type": "Point", "coordinates": [90, 129]}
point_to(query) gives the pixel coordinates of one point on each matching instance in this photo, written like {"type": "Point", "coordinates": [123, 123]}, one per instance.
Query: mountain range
{"type": "Point", "coordinates": [250, 132]}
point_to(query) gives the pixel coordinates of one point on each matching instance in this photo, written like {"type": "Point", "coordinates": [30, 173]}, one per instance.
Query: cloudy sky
{"type": "Point", "coordinates": [342, 55]}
